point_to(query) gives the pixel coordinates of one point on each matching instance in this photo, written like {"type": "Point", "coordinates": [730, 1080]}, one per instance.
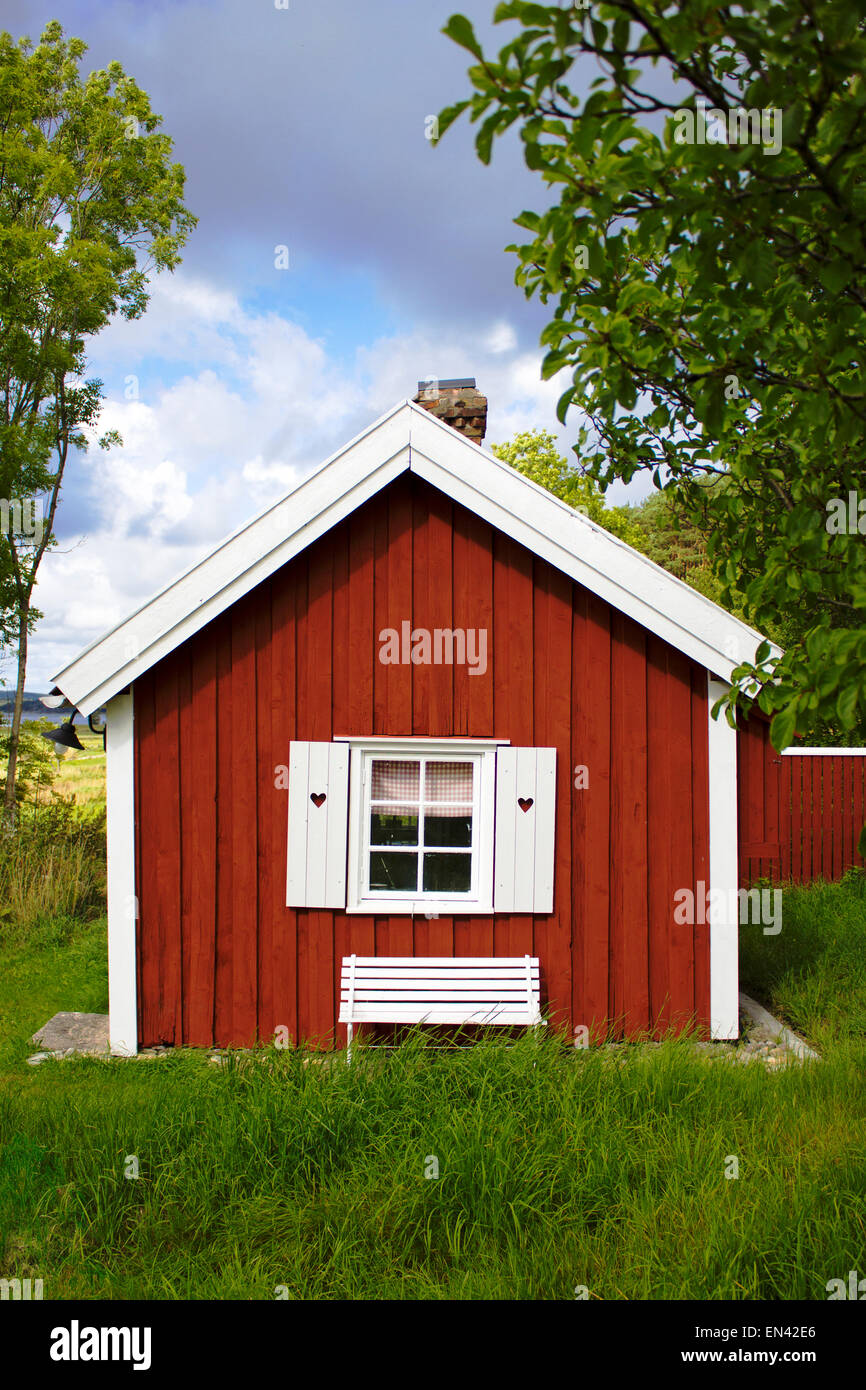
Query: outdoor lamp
{"type": "Point", "coordinates": [65, 736]}
{"type": "Point", "coordinates": [54, 700]}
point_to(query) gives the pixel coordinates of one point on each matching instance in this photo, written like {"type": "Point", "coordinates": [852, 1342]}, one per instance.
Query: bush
{"type": "Point", "coordinates": [36, 766]}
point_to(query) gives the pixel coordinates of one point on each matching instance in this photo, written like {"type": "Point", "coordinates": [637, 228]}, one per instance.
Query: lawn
{"type": "Point", "coordinates": [530, 1172]}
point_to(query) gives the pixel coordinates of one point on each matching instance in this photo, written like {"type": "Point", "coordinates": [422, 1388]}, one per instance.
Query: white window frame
{"type": "Point", "coordinates": [482, 753]}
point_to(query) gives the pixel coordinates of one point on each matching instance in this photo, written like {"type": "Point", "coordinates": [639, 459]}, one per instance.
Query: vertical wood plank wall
{"type": "Point", "coordinates": [222, 960]}
{"type": "Point", "coordinates": [800, 816]}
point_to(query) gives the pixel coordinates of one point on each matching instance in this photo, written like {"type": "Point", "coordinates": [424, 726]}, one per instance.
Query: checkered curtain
{"type": "Point", "coordinates": [397, 784]}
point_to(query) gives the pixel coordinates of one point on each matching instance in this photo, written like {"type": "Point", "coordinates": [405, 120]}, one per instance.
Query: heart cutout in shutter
{"type": "Point", "coordinates": [317, 798]}
{"type": "Point", "coordinates": [524, 802]}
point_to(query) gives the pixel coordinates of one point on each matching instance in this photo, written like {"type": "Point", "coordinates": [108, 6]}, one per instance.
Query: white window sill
{"type": "Point", "coordinates": [408, 907]}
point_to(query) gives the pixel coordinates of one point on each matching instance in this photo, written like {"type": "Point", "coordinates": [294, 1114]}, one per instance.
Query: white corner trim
{"type": "Point", "coordinates": [724, 870]}
{"type": "Point", "coordinates": [122, 902]}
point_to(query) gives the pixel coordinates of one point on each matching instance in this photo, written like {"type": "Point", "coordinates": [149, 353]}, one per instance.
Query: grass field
{"type": "Point", "coordinates": [533, 1172]}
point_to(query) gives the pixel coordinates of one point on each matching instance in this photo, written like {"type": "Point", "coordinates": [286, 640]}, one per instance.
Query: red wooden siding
{"type": "Point", "coordinates": [800, 816]}
{"type": "Point", "coordinates": [223, 961]}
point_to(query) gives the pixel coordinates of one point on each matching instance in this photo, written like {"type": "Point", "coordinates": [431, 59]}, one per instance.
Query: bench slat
{"type": "Point", "coordinates": [488, 962]}
{"type": "Point", "coordinates": [402, 973]}
{"type": "Point", "coordinates": [451, 996]}
{"type": "Point", "coordinates": [387, 1014]}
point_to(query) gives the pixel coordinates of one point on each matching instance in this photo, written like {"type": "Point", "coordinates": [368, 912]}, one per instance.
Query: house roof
{"type": "Point", "coordinates": [409, 438]}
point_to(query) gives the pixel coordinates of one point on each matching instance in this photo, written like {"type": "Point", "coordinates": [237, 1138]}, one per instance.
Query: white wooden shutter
{"type": "Point", "coordinates": [525, 820]}
{"type": "Point", "coordinates": [318, 824]}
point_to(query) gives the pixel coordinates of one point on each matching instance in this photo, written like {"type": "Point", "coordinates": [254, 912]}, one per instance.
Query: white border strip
{"type": "Point", "coordinates": [122, 902]}
{"type": "Point", "coordinates": [824, 752]}
{"type": "Point", "coordinates": [724, 870]}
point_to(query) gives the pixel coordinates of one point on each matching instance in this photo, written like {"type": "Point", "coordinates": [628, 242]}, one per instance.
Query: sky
{"type": "Point", "coordinates": [302, 127]}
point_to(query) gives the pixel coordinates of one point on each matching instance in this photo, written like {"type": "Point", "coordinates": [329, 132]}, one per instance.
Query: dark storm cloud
{"type": "Point", "coordinates": [306, 127]}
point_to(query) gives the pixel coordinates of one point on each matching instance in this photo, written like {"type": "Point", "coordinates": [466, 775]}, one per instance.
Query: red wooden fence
{"type": "Point", "coordinates": [801, 812]}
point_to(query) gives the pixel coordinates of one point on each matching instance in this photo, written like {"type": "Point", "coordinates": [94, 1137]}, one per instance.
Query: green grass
{"type": "Point", "coordinates": [557, 1168]}
{"type": "Point", "coordinates": [814, 971]}
{"type": "Point", "coordinates": [61, 967]}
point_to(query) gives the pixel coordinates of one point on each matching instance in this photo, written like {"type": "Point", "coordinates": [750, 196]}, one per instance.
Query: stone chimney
{"type": "Point", "coordinates": [458, 402]}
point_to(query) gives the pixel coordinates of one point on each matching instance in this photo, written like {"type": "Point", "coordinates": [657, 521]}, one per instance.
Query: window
{"type": "Point", "coordinates": [421, 826]}
{"type": "Point", "coordinates": [412, 825]}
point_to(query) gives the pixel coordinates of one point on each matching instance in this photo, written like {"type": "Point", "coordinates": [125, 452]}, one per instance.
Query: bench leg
{"type": "Point", "coordinates": [348, 1043]}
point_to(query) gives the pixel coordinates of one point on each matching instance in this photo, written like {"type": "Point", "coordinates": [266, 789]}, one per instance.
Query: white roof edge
{"type": "Point", "coordinates": [407, 437]}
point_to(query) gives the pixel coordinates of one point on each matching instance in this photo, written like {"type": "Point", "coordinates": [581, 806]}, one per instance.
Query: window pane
{"type": "Point", "coordinates": [394, 783]}
{"type": "Point", "coordinates": [393, 873]}
{"type": "Point", "coordinates": [447, 873]}
{"type": "Point", "coordinates": [453, 828]}
{"type": "Point", "coordinates": [393, 830]}
{"type": "Point", "coordinates": [449, 782]}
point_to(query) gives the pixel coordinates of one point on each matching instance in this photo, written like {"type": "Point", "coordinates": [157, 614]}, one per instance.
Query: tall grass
{"type": "Point", "coordinates": [556, 1169]}
{"type": "Point", "coordinates": [52, 870]}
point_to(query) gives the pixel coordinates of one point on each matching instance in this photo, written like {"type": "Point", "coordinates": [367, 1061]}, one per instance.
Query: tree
{"type": "Point", "coordinates": [677, 544]}
{"type": "Point", "coordinates": [534, 453]}
{"type": "Point", "coordinates": [707, 260]}
{"type": "Point", "coordinates": [90, 205]}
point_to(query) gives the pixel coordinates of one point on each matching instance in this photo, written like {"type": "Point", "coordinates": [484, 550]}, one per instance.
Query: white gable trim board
{"type": "Point", "coordinates": [408, 438]}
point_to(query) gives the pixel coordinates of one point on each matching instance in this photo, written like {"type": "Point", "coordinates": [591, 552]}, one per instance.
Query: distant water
{"type": "Point", "coordinates": [29, 716]}
{"type": "Point", "coordinates": [32, 712]}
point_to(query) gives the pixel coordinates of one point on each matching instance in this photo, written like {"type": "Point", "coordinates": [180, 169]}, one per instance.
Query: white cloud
{"type": "Point", "coordinates": [501, 338]}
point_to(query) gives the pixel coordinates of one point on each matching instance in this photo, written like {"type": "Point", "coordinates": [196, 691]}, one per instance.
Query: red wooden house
{"type": "Point", "coordinates": [418, 707]}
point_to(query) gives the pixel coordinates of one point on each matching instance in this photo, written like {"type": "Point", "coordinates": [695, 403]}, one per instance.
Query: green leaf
{"type": "Point", "coordinates": [484, 138]}
{"type": "Point", "coordinates": [564, 402]}
{"type": "Point", "coordinates": [782, 728]}
{"type": "Point", "coordinates": [448, 116]}
{"type": "Point", "coordinates": [847, 702]}
{"type": "Point", "coordinates": [460, 29]}
{"type": "Point", "coordinates": [835, 276]}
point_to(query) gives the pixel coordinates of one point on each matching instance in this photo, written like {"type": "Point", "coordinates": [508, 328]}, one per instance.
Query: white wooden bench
{"type": "Point", "coordinates": [439, 989]}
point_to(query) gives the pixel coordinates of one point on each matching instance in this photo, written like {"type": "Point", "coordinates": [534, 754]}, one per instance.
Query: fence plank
{"type": "Point", "coordinates": [785, 819]}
